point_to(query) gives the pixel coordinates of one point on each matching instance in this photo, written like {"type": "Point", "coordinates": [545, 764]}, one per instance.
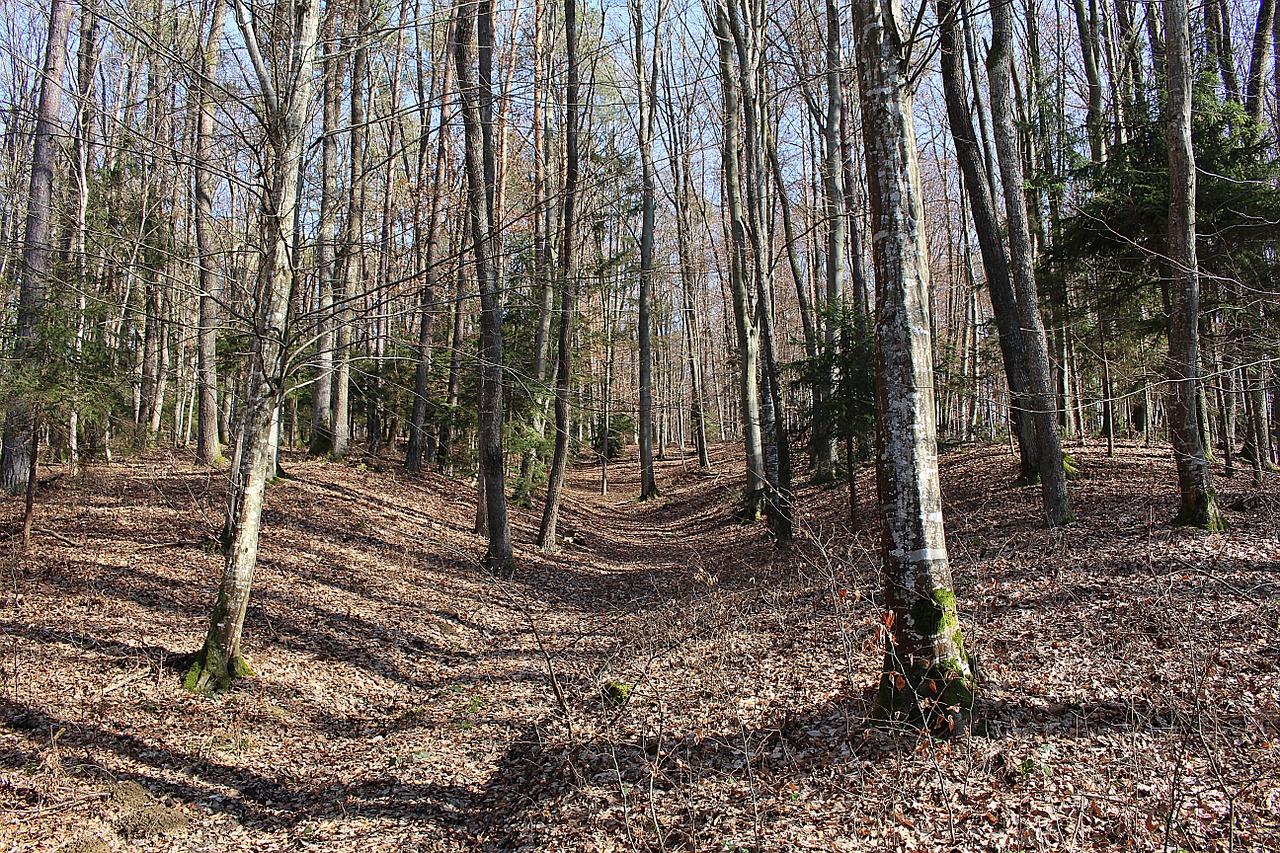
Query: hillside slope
{"type": "Point", "coordinates": [715, 690]}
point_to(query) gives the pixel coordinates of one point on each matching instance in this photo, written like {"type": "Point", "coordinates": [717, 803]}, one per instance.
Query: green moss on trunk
{"type": "Point", "coordinates": [1203, 513]}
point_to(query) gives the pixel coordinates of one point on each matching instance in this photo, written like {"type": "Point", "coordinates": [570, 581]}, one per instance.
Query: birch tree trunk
{"type": "Point", "coordinates": [285, 115]}
{"type": "Point", "coordinates": [926, 674]}
{"type": "Point", "coordinates": [37, 249]}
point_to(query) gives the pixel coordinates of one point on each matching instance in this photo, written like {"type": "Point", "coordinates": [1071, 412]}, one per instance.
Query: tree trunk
{"type": "Point", "coordinates": [1199, 507]}
{"type": "Point", "coordinates": [647, 96]}
{"type": "Point", "coordinates": [353, 243]}
{"type": "Point", "coordinates": [1057, 504]}
{"type": "Point", "coordinates": [741, 264]}
{"type": "Point", "coordinates": [568, 272]}
{"type": "Point", "coordinates": [37, 249]}
{"type": "Point", "coordinates": [1004, 303]}
{"type": "Point", "coordinates": [208, 450]}
{"type": "Point", "coordinates": [422, 371]}
{"type": "Point", "coordinates": [479, 161]}
{"type": "Point", "coordinates": [926, 671]}
{"type": "Point", "coordinates": [321, 441]}
{"type": "Point", "coordinates": [220, 660]}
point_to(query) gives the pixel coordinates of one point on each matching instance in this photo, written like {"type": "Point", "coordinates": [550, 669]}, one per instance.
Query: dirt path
{"type": "Point", "coordinates": [406, 701]}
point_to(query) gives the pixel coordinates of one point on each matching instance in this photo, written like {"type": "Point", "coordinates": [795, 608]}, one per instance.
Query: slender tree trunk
{"type": "Point", "coordinates": [321, 441]}
{"type": "Point", "coordinates": [1057, 504]}
{"type": "Point", "coordinates": [422, 372]}
{"type": "Point", "coordinates": [926, 671]}
{"type": "Point", "coordinates": [1199, 507]}
{"type": "Point", "coordinates": [208, 450]}
{"type": "Point", "coordinates": [353, 243]}
{"type": "Point", "coordinates": [833, 184]}
{"type": "Point", "coordinates": [220, 660]}
{"type": "Point", "coordinates": [479, 162]}
{"type": "Point", "coordinates": [37, 249]}
{"type": "Point", "coordinates": [741, 264]}
{"type": "Point", "coordinates": [1004, 303]}
{"type": "Point", "coordinates": [647, 96]}
{"type": "Point", "coordinates": [567, 274]}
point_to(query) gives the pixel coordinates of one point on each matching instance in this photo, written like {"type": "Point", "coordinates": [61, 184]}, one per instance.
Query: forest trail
{"type": "Point", "coordinates": [406, 701]}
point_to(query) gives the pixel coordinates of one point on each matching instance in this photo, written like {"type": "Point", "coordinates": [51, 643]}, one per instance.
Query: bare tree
{"type": "Point", "coordinates": [926, 671]}
{"type": "Point", "coordinates": [285, 88]}
{"type": "Point", "coordinates": [1057, 504]}
{"type": "Point", "coordinates": [1199, 507]}
{"type": "Point", "coordinates": [478, 157]}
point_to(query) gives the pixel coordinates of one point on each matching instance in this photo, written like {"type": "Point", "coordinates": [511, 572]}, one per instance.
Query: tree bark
{"type": "Point", "coordinates": [422, 371]}
{"type": "Point", "coordinates": [995, 262]}
{"type": "Point", "coordinates": [353, 243]}
{"type": "Point", "coordinates": [37, 250]}
{"type": "Point", "coordinates": [285, 113]}
{"type": "Point", "coordinates": [926, 673]}
{"type": "Point", "coordinates": [326, 239]}
{"type": "Point", "coordinates": [478, 156]}
{"type": "Point", "coordinates": [208, 450]}
{"type": "Point", "coordinates": [647, 96]}
{"type": "Point", "coordinates": [1057, 504]}
{"type": "Point", "coordinates": [567, 273]}
{"type": "Point", "coordinates": [1199, 506]}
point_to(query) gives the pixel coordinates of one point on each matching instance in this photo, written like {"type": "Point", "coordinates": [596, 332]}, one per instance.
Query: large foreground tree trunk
{"type": "Point", "coordinates": [926, 671]}
{"type": "Point", "coordinates": [1199, 507]}
{"type": "Point", "coordinates": [37, 249]}
{"type": "Point", "coordinates": [285, 113]}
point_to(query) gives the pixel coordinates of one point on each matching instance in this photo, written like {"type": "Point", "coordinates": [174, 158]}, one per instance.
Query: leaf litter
{"type": "Point", "coordinates": [668, 681]}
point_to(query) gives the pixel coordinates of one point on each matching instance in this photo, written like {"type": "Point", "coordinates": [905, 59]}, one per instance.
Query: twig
{"type": "Point", "coordinates": [1211, 576]}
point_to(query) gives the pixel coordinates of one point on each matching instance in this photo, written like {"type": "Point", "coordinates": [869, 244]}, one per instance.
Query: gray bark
{"type": "Point", "coordinates": [1057, 505]}
{"type": "Point", "coordinates": [994, 260]}
{"type": "Point", "coordinates": [1199, 508]}
{"type": "Point", "coordinates": [208, 450]}
{"type": "Point", "coordinates": [37, 249]}
{"type": "Point", "coordinates": [926, 671]}
{"type": "Point", "coordinates": [285, 113]}
{"type": "Point", "coordinates": [567, 274]}
{"type": "Point", "coordinates": [478, 156]}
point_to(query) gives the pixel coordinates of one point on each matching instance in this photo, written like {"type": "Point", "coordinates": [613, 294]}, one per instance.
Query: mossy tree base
{"type": "Point", "coordinates": [209, 673]}
{"type": "Point", "coordinates": [938, 699]}
{"type": "Point", "coordinates": [1203, 513]}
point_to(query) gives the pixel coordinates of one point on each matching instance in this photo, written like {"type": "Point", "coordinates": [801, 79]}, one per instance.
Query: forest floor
{"type": "Point", "coordinates": [716, 691]}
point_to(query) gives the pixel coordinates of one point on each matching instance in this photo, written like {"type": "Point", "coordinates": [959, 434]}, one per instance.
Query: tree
{"type": "Point", "coordinates": [567, 275]}
{"type": "Point", "coordinates": [478, 159]}
{"type": "Point", "coordinates": [18, 456]}
{"type": "Point", "coordinates": [927, 674]}
{"type": "Point", "coordinates": [982, 207]}
{"type": "Point", "coordinates": [1053, 478]}
{"type": "Point", "coordinates": [208, 450]}
{"type": "Point", "coordinates": [1199, 507]}
{"type": "Point", "coordinates": [647, 98]}
{"type": "Point", "coordinates": [284, 111]}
